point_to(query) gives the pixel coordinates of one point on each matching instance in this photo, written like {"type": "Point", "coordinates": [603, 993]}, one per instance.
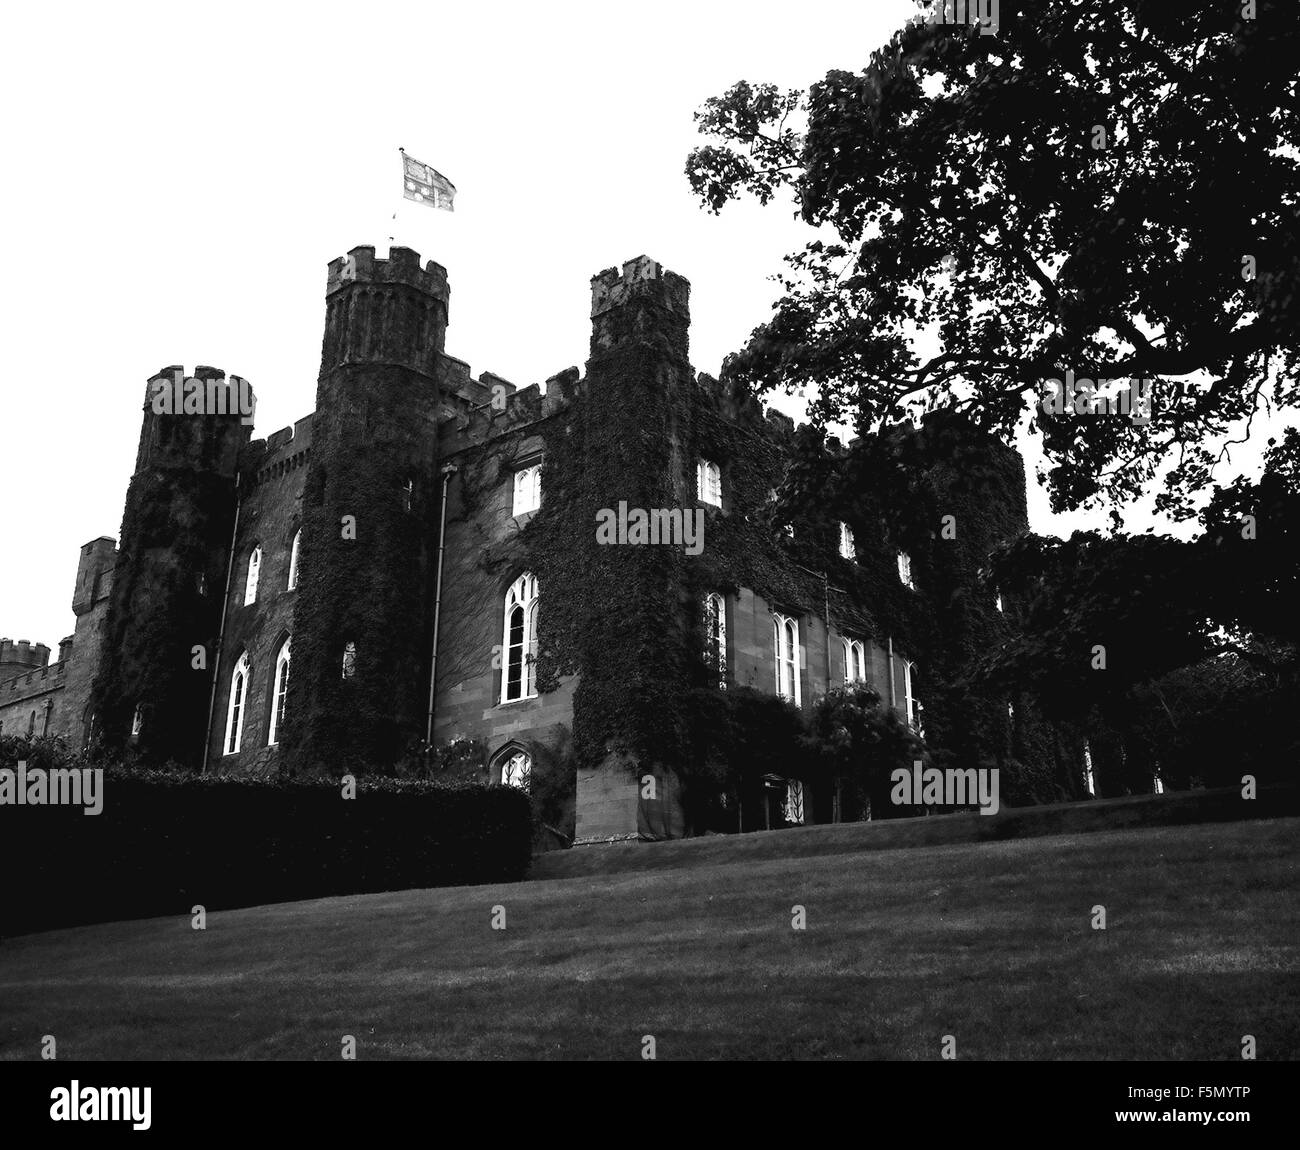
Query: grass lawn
{"type": "Point", "coordinates": [990, 942]}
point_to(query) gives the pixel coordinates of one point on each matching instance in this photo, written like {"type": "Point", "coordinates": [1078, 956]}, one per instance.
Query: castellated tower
{"type": "Point", "coordinates": [361, 632]}
{"type": "Point", "coordinates": [166, 586]}
{"type": "Point", "coordinates": [637, 403]}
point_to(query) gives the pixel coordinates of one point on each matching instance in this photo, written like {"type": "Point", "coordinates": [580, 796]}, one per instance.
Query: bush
{"type": "Point", "coordinates": [166, 841]}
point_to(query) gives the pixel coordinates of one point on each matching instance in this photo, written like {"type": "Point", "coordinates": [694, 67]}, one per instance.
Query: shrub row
{"type": "Point", "coordinates": [165, 842]}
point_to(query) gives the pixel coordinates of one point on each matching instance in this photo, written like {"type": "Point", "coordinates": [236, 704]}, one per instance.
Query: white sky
{"type": "Point", "coordinates": [178, 178]}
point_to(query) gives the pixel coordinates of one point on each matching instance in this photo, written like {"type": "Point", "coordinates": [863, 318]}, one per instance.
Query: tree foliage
{"type": "Point", "coordinates": [1108, 189]}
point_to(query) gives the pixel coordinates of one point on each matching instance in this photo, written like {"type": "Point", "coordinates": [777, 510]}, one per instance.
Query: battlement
{"type": "Point", "coordinates": [23, 654]}
{"type": "Point", "coordinates": [641, 277]}
{"type": "Point", "coordinates": [401, 267]}
{"type": "Point", "coordinates": [208, 391]}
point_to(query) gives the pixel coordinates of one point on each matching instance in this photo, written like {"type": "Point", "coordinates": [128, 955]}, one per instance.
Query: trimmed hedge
{"type": "Point", "coordinates": [165, 842]}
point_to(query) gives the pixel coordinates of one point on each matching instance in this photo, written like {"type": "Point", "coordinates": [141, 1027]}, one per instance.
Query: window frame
{"type": "Point", "coordinates": [522, 596]}
{"type": "Point", "coordinates": [293, 560]}
{"type": "Point", "coordinates": [279, 692]}
{"type": "Point", "coordinates": [253, 575]}
{"type": "Point", "coordinates": [708, 482]}
{"type": "Point", "coordinates": [237, 706]}
{"type": "Point", "coordinates": [787, 655]}
{"type": "Point", "coordinates": [527, 491]}
{"type": "Point", "coordinates": [715, 637]}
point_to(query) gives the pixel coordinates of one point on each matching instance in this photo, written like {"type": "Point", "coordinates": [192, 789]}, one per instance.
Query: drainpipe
{"type": "Point", "coordinates": [221, 633]}
{"type": "Point", "coordinates": [447, 473]}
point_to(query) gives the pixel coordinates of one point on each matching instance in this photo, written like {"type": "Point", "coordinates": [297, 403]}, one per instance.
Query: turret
{"type": "Point", "coordinates": [370, 508]}
{"type": "Point", "coordinates": [175, 535]}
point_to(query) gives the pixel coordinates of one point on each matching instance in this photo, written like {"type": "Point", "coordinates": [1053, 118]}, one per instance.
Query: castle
{"type": "Point", "coordinates": [417, 563]}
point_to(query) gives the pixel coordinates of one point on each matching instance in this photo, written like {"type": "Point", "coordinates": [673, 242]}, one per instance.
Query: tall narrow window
{"type": "Point", "coordinates": [137, 721]}
{"type": "Point", "coordinates": [855, 661]}
{"type": "Point", "coordinates": [794, 802]}
{"type": "Point", "coordinates": [905, 569]}
{"type": "Point", "coordinates": [349, 659]}
{"type": "Point", "coordinates": [708, 482]}
{"type": "Point", "coordinates": [1087, 769]}
{"type": "Point", "coordinates": [279, 692]}
{"type": "Point", "coordinates": [528, 489]}
{"type": "Point", "coordinates": [408, 493]}
{"type": "Point", "coordinates": [998, 601]}
{"type": "Point", "coordinates": [516, 770]}
{"type": "Point", "coordinates": [912, 705]}
{"type": "Point", "coordinates": [31, 725]}
{"type": "Point", "coordinates": [785, 638]}
{"type": "Point", "coordinates": [254, 572]}
{"type": "Point", "coordinates": [293, 559]}
{"type": "Point", "coordinates": [715, 637]}
{"type": "Point", "coordinates": [235, 713]}
{"type": "Point", "coordinates": [847, 548]}
{"type": "Point", "coordinates": [519, 641]}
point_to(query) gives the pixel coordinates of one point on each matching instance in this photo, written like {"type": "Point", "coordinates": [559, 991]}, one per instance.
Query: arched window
{"type": "Point", "coordinates": [293, 559]}
{"type": "Point", "coordinates": [254, 572]}
{"type": "Point", "coordinates": [516, 770]}
{"type": "Point", "coordinates": [279, 692]}
{"type": "Point", "coordinates": [137, 721]}
{"type": "Point", "coordinates": [235, 712]}
{"type": "Point", "coordinates": [519, 642]}
{"type": "Point", "coordinates": [31, 725]}
{"type": "Point", "coordinates": [528, 489]}
{"type": "Point", "coordinates": [793, 811]}
{"type": "Point", "coordinates": [855, 661]}
{"type": "Point", "coordinates": [1087, 769]}
{"type": "Point", "coordinates": [785, 638]}
{"type": "Point", "coordinates": [349, 659]}
{"type": "Point", "coordinates": [708, 482]}
{"type": "Point", "coordinates": [715, 637]}
{"type": "Point", "coordinates": [847, 548]}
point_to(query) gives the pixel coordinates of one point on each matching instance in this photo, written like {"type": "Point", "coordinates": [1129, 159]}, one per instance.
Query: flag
{"type": "Point", "coordinates": [426, 186]}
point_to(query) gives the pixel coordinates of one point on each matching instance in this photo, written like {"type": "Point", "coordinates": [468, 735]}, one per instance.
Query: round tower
{"type": "Point", "coordinates": [362, 617]}
{"type": "Point", "coordinates": [165, 599]}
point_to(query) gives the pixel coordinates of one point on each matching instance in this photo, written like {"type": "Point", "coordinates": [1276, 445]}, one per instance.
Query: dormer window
{"type": "Point", "coordinates": [708, 482]}
{"type": "Point", "coordinates": [528, 489]}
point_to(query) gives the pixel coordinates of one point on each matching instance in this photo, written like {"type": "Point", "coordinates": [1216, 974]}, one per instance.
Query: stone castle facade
{"type": "Point", "coordinates": [376, 578]}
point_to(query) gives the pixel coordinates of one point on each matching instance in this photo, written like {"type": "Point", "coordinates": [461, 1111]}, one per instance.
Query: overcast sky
{"type": "Point", "coordinates": [178, 177]}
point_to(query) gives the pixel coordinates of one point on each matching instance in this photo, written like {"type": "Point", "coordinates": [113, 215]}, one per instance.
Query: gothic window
{"type": "Point", "coordinates": [785, 638]}
{"type": "Point", "coordinates": [528, 489]}
{"type": "Point", "coordinates": [235, 713]}
{"type": "Point", "coordinates": [31, 725]}
{"type": "Point", "coordinates": [855, 661]}
{"type": "Point", "coordinates": [708, 482]}
{"type": "Point", "coordinates": [137, 721]}
{"type": "Point", "coordinates": [45, 722]}
{"type": "Point", "coordinates": [254, 573]}
{"type": "Point", "coordinates": [715, 637]}
{"type": "Point", "coordinates": [998, 601]}
{"type": "Point", "coordinates": [349, 659]}
{"type": "Point", "coordinates": [279, 693]}
{"type": "Point", "coordinates": [516, 770]}
{"type": "Point", "coordinates": [519, 641]}
{"type": "Point", "coordinates": [794, 802]}
{"type": "Point", "coordinates": [1087, 769]}
{"type": "Point", "coordinates": [847, 549]}
{"type": "Point", "coordinates": [293, 559]}
{"type": "Point", "coordinates": [408, 493]}
{"type": "Point", "coordinates": [905, 570]}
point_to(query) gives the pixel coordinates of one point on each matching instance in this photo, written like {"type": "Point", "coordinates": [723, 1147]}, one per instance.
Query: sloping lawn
{"type": "Point", "coordinates": [991, 943]}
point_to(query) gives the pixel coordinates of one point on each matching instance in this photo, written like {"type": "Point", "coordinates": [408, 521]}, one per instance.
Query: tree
{"type": "Point", "coordinates": [1105, 189]}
